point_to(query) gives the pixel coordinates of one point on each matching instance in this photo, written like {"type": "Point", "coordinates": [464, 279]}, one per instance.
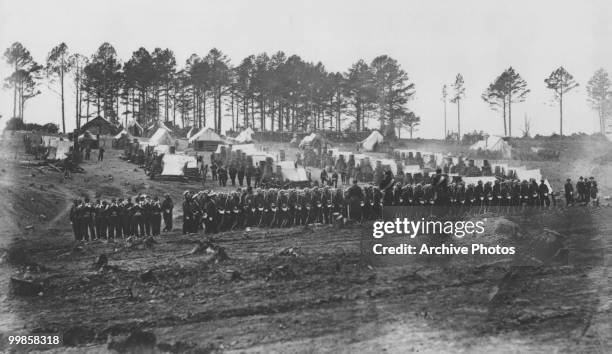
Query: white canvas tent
{"type": "Point", "coordinates": [174, 165]}
{"type": "Point", "coordinates": [369, 144]}
{"type": "Point", "coordinates": [291, 173]}
{"type": "Point", "coordinates": [60, 149]}
{"type": "Point", "coordinates": [474, 180]}
{"type": "Point", "coordinates": [412, 169]}
{"type": "Point", "coordinates": [122, 133]}
{"type": "Point", "coordinates": [494, 144]}
{"type": "Point", "coordinates": [161, 137]}
{"type": "Point", "coordinates": [308, 140]}
{"type": "Point", "coordinates": [87, 135]}
{"type": "Point", "coordinates": [245, 136]}
{"type": "Point", "coordinates": [206, 139]}
{"type": "Point", "coordinates": [206, 134]}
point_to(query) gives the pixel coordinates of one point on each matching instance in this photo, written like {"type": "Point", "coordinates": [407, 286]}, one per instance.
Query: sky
{"type": "Point", "coordinates": [432, 41]}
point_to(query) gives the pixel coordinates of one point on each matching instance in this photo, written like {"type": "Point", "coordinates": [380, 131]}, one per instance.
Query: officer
{"type": "Point", "coordinates": [167, 206]}
{"type": "Point", "coordinates": [356, 198]}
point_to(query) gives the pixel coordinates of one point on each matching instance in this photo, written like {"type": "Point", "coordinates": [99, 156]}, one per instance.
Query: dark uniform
{"type": "Point", "coordinates": [138, 222]}
{"type": "Point", "coordinates": [222, 176]}
{"type": "Point", "coordinates": [90, 214]}
{"type": "Point", "coordinates": [167, 206]}
{"type": "Point", "coordinates": [543, 194]}
{"type": "Point", "coordinates": [126, 217]}
{"type": "Point", "coordinates": [232, 174]}
{"type": "Point", "coordinates": [156, 211]}
{"type": "Point", "coordinates": [241, 173]}
{"type": "Point", "coordinates": [187, 214]}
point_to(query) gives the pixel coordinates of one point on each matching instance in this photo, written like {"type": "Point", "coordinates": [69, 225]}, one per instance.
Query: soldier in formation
{"type": "Point", "coordinates": [434, 195]}
{"type": "Point", "coordinates": [120, 218]}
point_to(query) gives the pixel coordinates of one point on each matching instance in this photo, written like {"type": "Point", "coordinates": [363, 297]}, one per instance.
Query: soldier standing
{"type": "Point", "coordinates": [167, 206]}
{"type": "Point", "coordinates": [89, 221]}
{"type": "Point", "coordinates": [138, 219]}
{"type": "Point", "coordinates": [101, 224]}
{"type": "Point", "coordinates": [101, 154]}
{"type": "Point", "coordinates": [569, 192]}
{"type": "Point", "coordinates": [241, 173]}
{"type": "Point", "coordinates": [323, 177]}
{"type": "Point", "coordinates": [187, 213]}
{"type": "Point", "coordinates": [258, 174]}
{"type": "Point", "coordinates": [232, 173]}
{"type": "Point", "coordinates": [213, 171]}
{"type": "Point", "coordinates": [543, 194]}
{"type": "Point", "coordinates": [222, 175]}
{"type": "Point", "coordinates": [334, 179]}
{"type": "Point", "coordinates": [126, 217]}
{"type": "Point", "coordinates": [580, 189]}
{"type": "Point", "coordinates": [113, 220]}
{"type": "Point", "coordinates": [156, 216]}
{"type": "Point", "coordinates": [147, 215]}
{"type": "Point", "coordinates": [593, 191]}
{"type": "Point", "coordinates": [250, 172]}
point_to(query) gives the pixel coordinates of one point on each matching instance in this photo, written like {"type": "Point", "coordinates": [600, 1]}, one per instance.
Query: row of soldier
{"type": "Point", "coordinates": [214, 212]}
{"type": "Point", "coordinates": [120, 218]}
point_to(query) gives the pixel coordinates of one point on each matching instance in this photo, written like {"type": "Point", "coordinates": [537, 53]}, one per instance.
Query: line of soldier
{"type": "Point", "coordinates": [586, 191]}
{"type": "Point", "coordinates": [215, 212]}
{"type": "Point", "coordinates": [120, 218]}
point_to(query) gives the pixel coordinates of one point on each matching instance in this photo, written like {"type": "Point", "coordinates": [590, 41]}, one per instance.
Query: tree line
{"type": "Point", "coordinates": [266, 92]}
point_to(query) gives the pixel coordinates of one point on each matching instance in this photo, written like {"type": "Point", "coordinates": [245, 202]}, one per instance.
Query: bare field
{"type": "Point", "coordinates": [305, 289]}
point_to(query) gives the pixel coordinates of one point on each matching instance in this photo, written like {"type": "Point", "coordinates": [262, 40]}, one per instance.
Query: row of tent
{"type": "Point", "coordinates": [521, 172]}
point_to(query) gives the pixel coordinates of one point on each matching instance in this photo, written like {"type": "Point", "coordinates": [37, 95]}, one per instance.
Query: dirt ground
{"type": "Point", "coordinates": [307, 289]}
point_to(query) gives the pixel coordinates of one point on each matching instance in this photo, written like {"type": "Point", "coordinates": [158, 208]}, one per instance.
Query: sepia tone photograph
{"type": "Point", "coordinates": [305, 176]}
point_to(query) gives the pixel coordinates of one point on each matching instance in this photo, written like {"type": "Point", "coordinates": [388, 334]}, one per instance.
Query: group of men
{"type": "Point", "coordinates": [248, 207]}
{"type": "Point", "coordinates": [586, 191]}
{"type": "Point", "coordinates": [120, 218]}
{"type": "Point", "coordinates": [236, 173]}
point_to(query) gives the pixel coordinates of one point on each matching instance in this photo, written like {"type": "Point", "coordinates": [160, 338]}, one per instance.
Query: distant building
{"type": "Point", "coordinates": [100, 126]}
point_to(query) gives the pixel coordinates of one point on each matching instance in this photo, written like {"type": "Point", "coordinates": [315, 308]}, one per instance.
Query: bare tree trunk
{"type": "Point", "coordinates": [504, 116]}
{"type": "Point", "coordinates": [219, 106]}
{"type": "Point", "coordinates": [458, 120]}
{"type": "Point", "coordinates": [561, 114]}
